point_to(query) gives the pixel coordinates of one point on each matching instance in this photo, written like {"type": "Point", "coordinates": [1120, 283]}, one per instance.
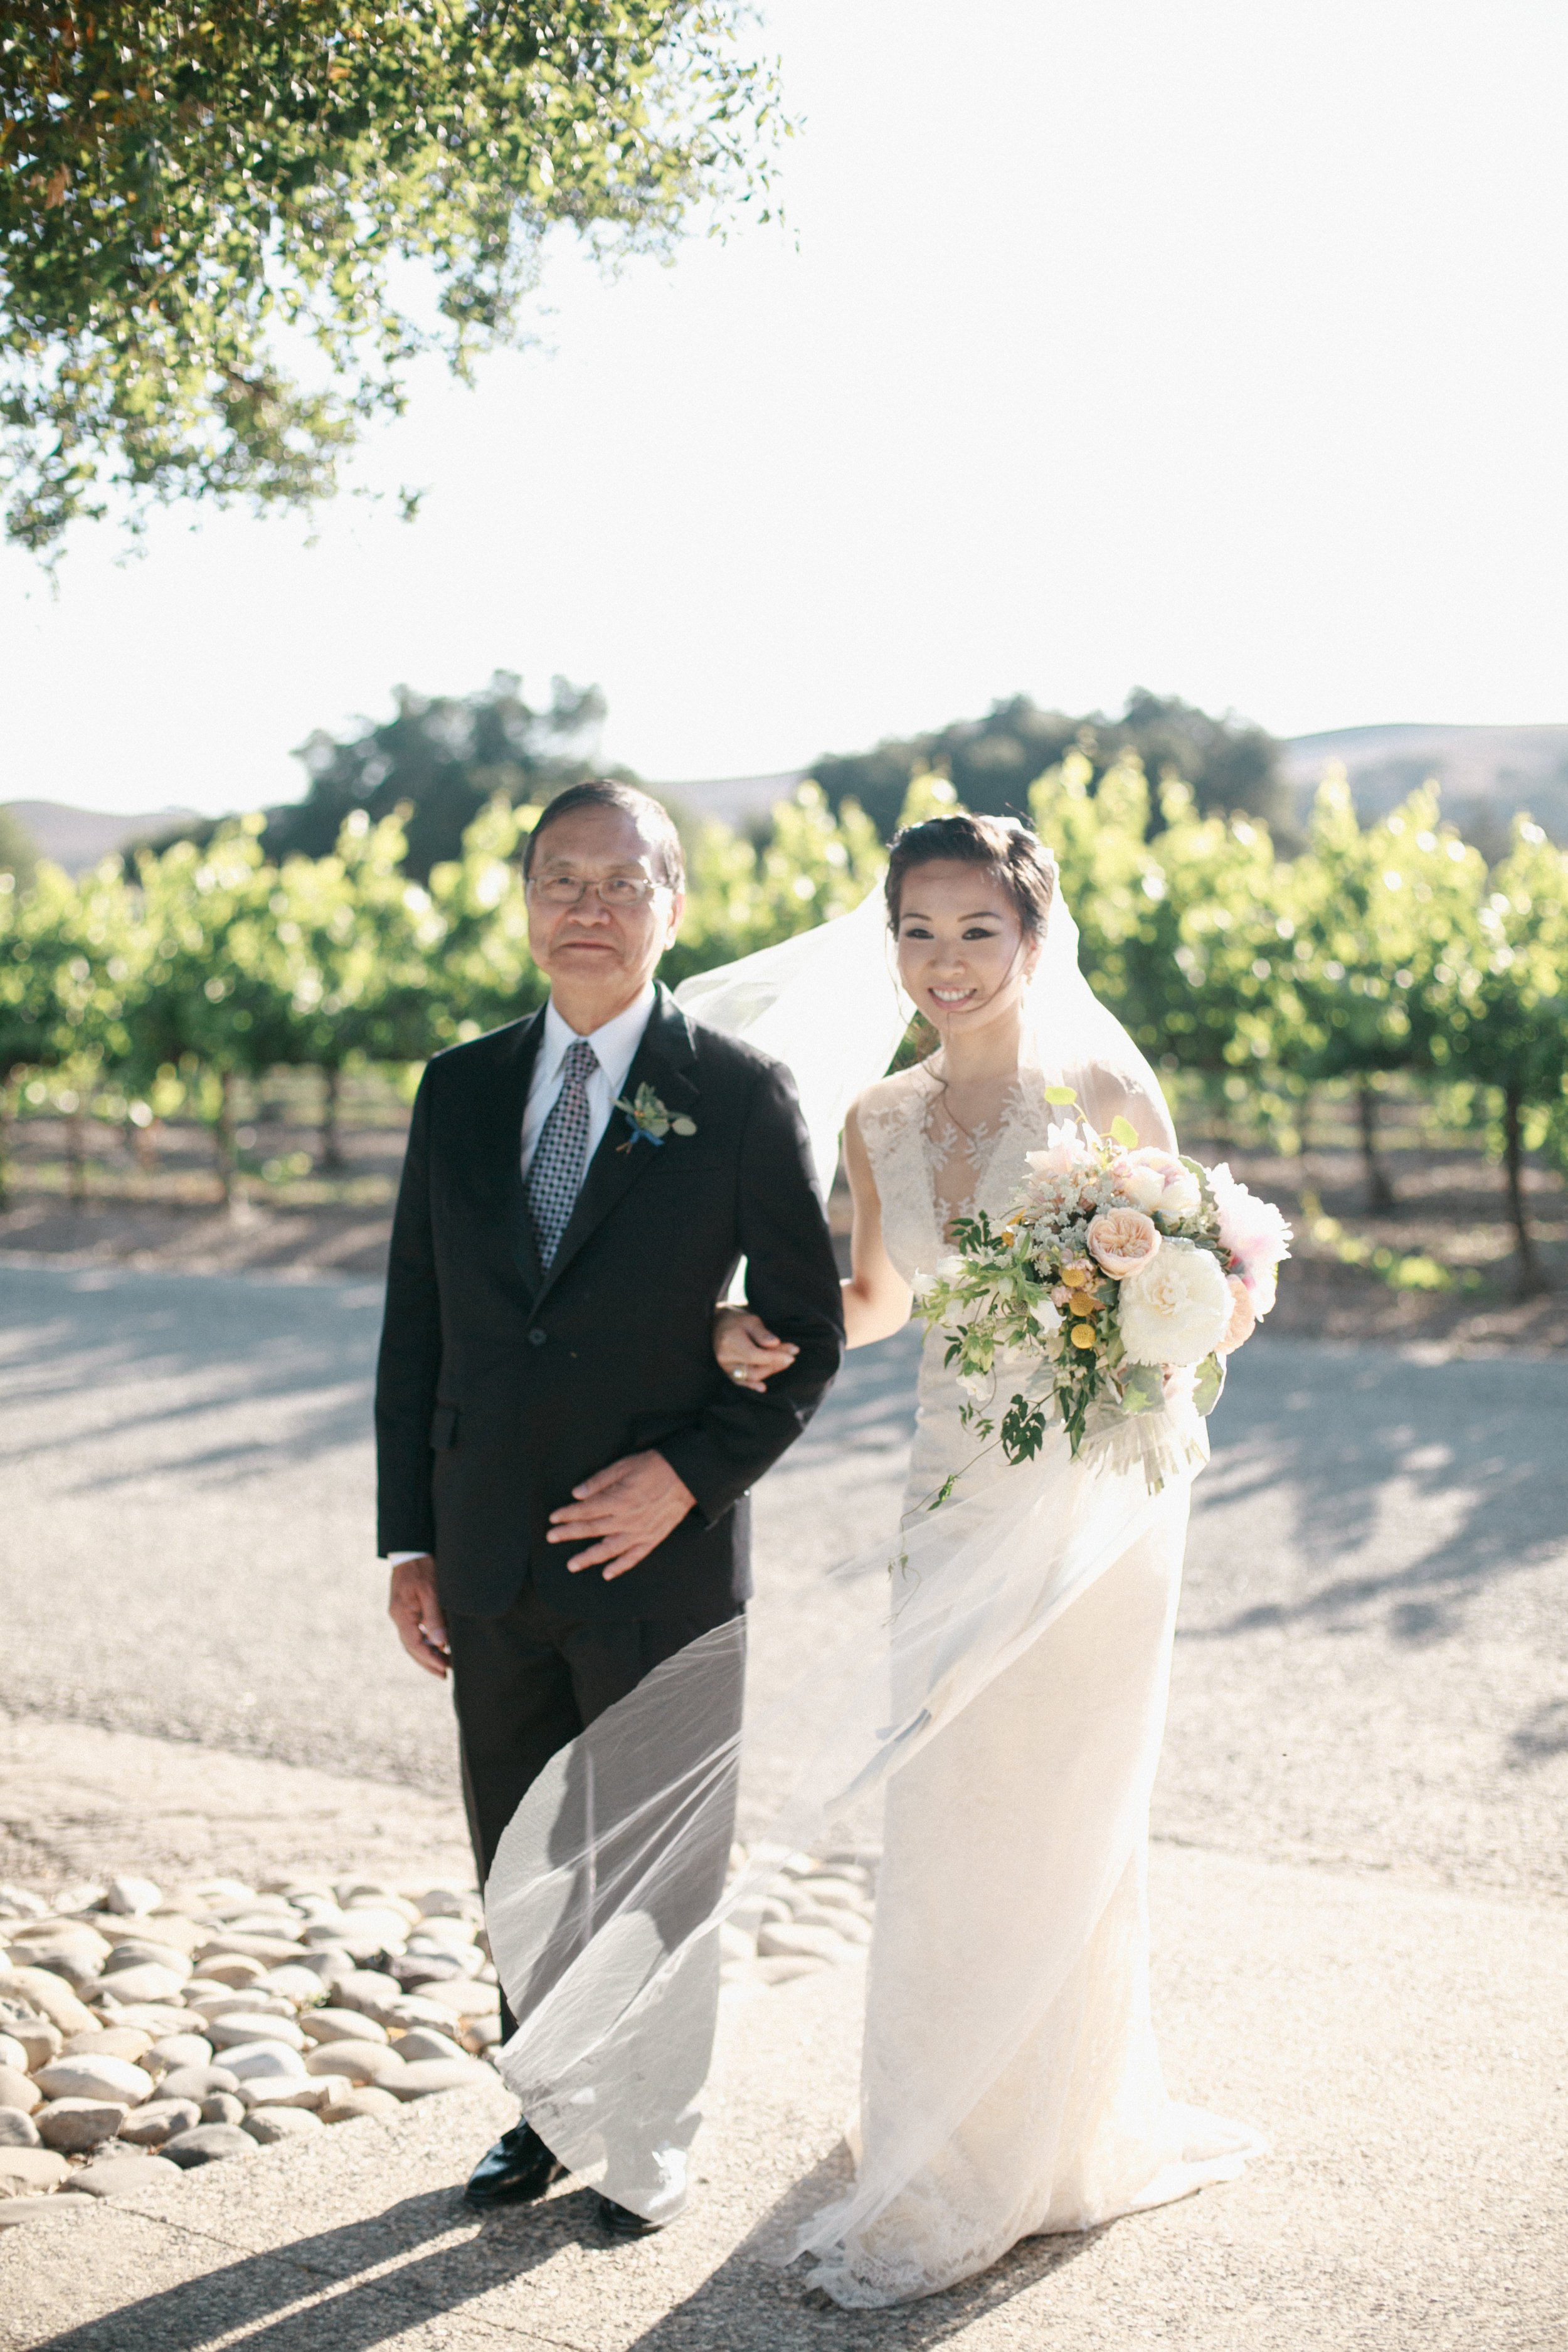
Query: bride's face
{"type": "Point", "coordinates": [963, 953]}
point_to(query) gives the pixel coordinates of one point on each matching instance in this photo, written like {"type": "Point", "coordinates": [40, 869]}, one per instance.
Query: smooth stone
{"type": "Point", "coordinates": [120, 2176]}
{"type": "Point", "coordinates": [156, 2019]}
{"type": "Point", "coordinates": [328, 1967]}
{"type": "Point", "coordinates": [415, 1970]}
{"type": "Point", "coordinates": [236, 1944]}
{"type": "Point", "coordinates": [51, 1997]}
{"type": "Point", "coordinates": [240, 2001]}
{"type": "Point", "coordinates": [147, 1981]}
{"type": "Point", "coordinates": [786, 1967]}
{"type": "Point", "coordinates": [130, 1897]}
{"type": "Point", "coordinates": [13, 2054]}
{"type": "Point", "coordinates": [223, 2108]}
{"type": "Point", "coordinates": [428, 2074]}
{"type": "Point", "coordinates": [342, 2025]}
{"type": "Point", "coordinates": [114, 2042]}
{"type": "Point", "coordinates": [463, 1996]}
{"type": "Point", "coordinates": [40, 2040]}
{"type": "Point", "coordinates": [291, 1982]}
{"type": "Point", "coordinates": [424, 2043]}
{"type": "Point", "coordinates": [312, 2090]}
{"type": "Point", "coordinates": [17, 2128]}
{"type": "Point", "coordinates": [80, 2124]}
{"type": "Point", "coordinates": [414, 2010]}
{"type": "Point", "coordinates": [836, 1894]}
{"type": "Point", "coordinates": [268, 2126]}
{"type": "Point", "coordinates": [176, 2050]}
{"type": "Point", "coordinates": [455, 1934]}
{"type": "Point", "coordinates": [237, 2027]}
{"type": "Point", "coordinates": [449, 1903]}
{"type": "Point", "coordinates": [208, 2144]}
{"type": "Point", "coordinates": [75, 1965]}
{"type": "Point", "coordinates": [196, 2082]}
{"type": "Point", "coordinates": [365, 2099]}
{"type": "Point", "coordinates": [18, 2093]}
{"type": "Point", "coordinates": [254, 2060]}
{"type": "Point", "coordinates": [362, 2062]}
{"type": "Point", "coordinates": [160, 2119]}
{"type": "Point", "coordinates": [95, 2078]}
{"type": "Point", "coordinates": [20, 1902]}
{"type": "Point", "coordinates": [482, 2033]}
{"type": "Point", "coordinates": [777, 1942]}
{"type": "Point", "coordinates": [367, 1988]}
{"type": "Point", "coordinates": [172, 1931]}
{"type": "Point", "coordinates": [220, 1969]}
{"type": "Point", "coordinates": [31, 2168]}
{"type": "Point", "coordinates": [140, 1952]}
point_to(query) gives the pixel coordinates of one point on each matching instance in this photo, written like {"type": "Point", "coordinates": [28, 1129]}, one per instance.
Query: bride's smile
{"type": "Point", "coordinates": [963, 958]}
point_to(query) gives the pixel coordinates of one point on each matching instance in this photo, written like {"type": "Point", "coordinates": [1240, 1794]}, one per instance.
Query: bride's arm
{"type": "Point", "coordinates": [877, 1299]}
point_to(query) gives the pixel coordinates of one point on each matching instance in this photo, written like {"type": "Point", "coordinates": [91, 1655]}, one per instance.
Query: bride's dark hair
{"type": "Point", "coordinates": [1010, 851]}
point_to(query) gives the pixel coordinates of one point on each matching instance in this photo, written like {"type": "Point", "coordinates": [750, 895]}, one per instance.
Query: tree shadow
{"type": "Point", "coordinates": [1312, 1445]}
{"type": "Point", "coordinates": [1543, 1734]}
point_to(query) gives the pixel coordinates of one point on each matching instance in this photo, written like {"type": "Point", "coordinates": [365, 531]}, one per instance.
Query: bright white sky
{"type": "Point", "coordinates": [1213, 345]}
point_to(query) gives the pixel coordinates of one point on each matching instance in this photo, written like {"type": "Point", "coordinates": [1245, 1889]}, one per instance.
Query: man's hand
{"type": "Point", "coordinates": [415, 1609]}
{"type": "Point", "coordinates": [624, 1511]}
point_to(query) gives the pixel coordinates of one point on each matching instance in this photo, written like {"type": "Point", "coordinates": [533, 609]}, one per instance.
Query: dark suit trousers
{"type": "Point", "coordinates": [526, 1683]}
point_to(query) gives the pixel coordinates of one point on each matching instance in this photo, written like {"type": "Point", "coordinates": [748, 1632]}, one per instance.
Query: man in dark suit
{"type": "Point", "coordinates": [564, 1470]}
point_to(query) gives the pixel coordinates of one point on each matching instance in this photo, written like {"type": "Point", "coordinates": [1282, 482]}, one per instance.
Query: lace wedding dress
{"type": "Point", "coordinates": [1012, 1884]}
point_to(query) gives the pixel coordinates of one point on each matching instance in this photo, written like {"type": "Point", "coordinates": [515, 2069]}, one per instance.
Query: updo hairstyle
{"type": "Point", "coordinates": [1007, 850]}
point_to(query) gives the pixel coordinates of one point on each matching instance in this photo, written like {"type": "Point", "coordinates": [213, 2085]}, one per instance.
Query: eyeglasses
{"type": "Point", "coordinates": [622, 891]}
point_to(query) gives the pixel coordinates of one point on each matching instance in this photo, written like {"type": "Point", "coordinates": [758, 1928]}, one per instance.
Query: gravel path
{"type": "Point", "coordinates": [1372, 1666]}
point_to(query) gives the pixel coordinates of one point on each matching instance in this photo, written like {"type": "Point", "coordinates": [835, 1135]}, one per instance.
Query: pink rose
{"type": "Point", "coordinates": [1243, 1316]}
{"type": "Point", "coordinates": [1124, 1240]}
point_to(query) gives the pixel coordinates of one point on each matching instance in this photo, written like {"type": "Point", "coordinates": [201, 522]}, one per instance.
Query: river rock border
{"type": "Point", "coordinates": [145, 2032]}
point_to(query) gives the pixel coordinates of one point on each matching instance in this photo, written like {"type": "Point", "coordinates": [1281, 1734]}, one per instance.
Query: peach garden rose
{"type": "Point", "coordinates": [1122, 1240]}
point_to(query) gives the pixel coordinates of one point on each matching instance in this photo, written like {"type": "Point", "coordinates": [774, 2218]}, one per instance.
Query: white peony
{"type": "Point", "coordinates": [1144, 1187]}
{"type": "Point", "coordinates": [1176, 1309]}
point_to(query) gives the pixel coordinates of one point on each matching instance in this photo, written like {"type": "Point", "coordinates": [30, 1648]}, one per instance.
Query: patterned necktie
{"type": "Point", "coordinates": [555, 1172]}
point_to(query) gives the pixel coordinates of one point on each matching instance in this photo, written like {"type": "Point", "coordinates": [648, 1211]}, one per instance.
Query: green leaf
{"type": "Point", "coordinates": [1122, 1132]}
{"type": "Point", "coordinates": [1061, 1095]}
{"type": "Point", "coordinates": [1210, 1382]}
{"type": "Point", "coordinates": [1144, 1391]}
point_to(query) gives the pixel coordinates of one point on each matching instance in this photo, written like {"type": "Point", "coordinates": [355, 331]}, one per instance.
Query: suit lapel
{"type": "Point", "coordinates": [664, 1061]}
{"type": "Point", "coordinates": [503, 1146]}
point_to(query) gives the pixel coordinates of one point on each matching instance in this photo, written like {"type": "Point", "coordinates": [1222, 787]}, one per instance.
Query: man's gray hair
{"type": "Point", "coordinates": [652, 817]}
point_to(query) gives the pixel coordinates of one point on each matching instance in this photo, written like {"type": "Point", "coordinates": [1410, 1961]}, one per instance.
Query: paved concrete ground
{"type": "Point", "coordinates": [1358, 1888]}
{"type": "Point", "coordinates": [1372, 1664]}
{"type": "Point", "coordinates": [1402, 2046]}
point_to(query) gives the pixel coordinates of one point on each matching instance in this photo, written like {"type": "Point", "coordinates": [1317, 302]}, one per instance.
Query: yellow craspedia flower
{"type": "Point", "coordinates": [1082, 1335]}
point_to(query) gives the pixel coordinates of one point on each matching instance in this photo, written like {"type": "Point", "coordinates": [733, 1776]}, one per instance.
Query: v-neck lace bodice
{"type": "Point", "coordinates": [922, 1160]}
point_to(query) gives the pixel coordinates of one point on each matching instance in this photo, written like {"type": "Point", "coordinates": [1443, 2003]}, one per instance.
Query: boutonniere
{"type": "Point", "coordinates": [649, 1117]}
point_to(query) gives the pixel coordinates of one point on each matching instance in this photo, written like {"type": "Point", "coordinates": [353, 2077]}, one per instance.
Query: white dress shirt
{"type": "Point", "coordinates": [615, 1050]}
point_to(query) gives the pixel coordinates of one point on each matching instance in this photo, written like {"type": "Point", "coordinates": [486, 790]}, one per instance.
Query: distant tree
{"type": "Point", "coordinates": [443, 758]}
{"type": "Point", "coordinates": [1385, 944]}
{"type": "Point", "coordinates": [1231, 766]}
{"type": "Point", "coordinates": [1508, 1021]}
{"type": "Point", "coordinates": [438, 762]}
{"type": "Point", "coordinates": [188, 192]}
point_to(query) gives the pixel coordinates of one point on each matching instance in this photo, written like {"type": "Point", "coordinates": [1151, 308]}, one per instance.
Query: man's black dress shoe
{"type": "Point", "coordinates": [516, 2172]}
{"type": "Point", "coordinates": [620, 2222]}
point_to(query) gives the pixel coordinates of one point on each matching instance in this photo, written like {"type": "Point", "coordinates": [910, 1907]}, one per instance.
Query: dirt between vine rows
{"type": "Point", "coordinates": [1449, 1222]}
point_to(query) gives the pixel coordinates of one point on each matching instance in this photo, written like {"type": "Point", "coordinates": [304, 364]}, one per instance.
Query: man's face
{"type": "Point", "coordinates": [599, 950]}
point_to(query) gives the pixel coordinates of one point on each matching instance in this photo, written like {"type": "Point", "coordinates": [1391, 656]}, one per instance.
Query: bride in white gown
{"type": "Point", "coordinates": [1011, 1728]}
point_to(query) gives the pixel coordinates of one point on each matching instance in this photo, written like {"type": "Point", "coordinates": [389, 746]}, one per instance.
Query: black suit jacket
{"type": "Point", "coordinates": [500, 1386]}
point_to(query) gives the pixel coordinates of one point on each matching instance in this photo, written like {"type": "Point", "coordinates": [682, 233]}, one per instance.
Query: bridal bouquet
{"type": "Point", "coordinates": [1113, 1269]}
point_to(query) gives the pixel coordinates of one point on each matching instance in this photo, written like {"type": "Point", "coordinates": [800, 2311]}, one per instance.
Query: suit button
{"type": "Point", "coordinates": [536, 1338]}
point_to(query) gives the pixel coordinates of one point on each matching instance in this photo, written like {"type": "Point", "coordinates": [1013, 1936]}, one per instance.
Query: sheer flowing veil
{"type": "Point", "coordinates": [609, 1885]}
